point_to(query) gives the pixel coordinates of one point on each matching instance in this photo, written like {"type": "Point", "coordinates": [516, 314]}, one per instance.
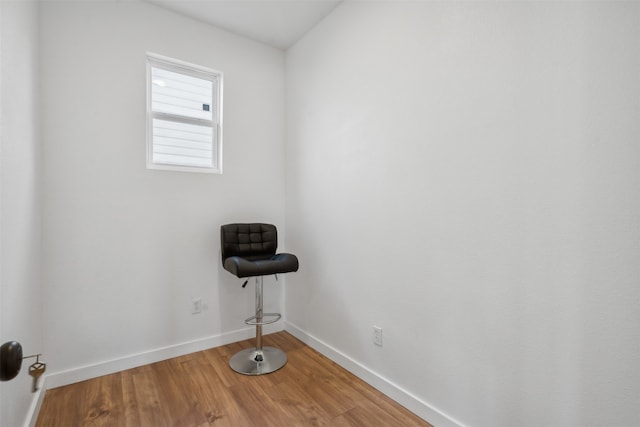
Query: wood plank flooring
{"type": "Point", "coordinates": [201, 390]}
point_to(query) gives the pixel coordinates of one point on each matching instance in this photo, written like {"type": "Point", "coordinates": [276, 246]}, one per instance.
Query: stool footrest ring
{"type": "Point", "coordinates": [253, 320]}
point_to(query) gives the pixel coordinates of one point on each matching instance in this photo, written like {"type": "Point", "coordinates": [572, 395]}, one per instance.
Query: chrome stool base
{"type": "Point", "coordinates": [259, 360]}
{"type": "Point", "coordinates": [253, 361]}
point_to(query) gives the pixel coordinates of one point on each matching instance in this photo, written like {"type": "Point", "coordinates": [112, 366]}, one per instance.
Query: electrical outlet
{"type": "Point", "coordinates": [377, 336]}
{"type": "Point", "coordinates": [196, 305]}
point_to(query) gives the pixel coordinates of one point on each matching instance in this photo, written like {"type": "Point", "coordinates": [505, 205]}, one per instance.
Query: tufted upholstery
{"type": "Point", "coordinates": [250, 250]}
{"type": "Point", "coordinates": [248, 240]}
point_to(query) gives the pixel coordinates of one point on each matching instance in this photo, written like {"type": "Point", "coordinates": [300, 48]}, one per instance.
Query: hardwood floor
{"type": "Point", "coordinates": [200, 389]}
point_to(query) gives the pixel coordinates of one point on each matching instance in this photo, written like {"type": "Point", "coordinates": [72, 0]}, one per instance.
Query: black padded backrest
{"type": "Point", "coordinates": [251, 241]}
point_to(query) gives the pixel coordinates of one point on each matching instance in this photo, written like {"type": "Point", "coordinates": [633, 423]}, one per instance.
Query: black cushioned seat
{"type": "Point", "coordinates": [249, 250]}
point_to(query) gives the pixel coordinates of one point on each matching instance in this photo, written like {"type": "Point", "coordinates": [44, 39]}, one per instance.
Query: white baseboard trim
{"type": "Point", "coordinates": [395, 392]}
{"type": "Point", "coordinates": [70, 376]}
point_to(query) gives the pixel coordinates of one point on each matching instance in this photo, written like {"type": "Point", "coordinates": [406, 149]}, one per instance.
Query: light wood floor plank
{"type": "Point", "coordinates": [105, 395]}
{"type": "Point", "coordinates": [298, 405]}
{"type": "Point", "coordinates": [201, 390]}
{"type": "Point", "coordinates": [151, 411]}
{"type": "Point", "coordinates": [129, 402]}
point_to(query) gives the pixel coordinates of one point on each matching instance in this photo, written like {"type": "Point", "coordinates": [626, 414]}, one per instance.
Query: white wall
{"type": "Point", "coordinates": [466, 176]}
{"type": "Point", "coordinates": [20, 202]}
{"type": "Point", "coordinates": [126, 248]}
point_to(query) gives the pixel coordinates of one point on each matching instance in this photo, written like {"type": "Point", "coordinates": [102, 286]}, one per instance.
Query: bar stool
{"type": "Point", "coordinates": [249, 250]}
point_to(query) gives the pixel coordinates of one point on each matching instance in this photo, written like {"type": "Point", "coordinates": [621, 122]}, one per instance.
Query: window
{"type": "Point", "coordinates": [184, 115]}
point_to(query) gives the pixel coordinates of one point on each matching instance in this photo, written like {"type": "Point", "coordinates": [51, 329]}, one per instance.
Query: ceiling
{"type": "Point", "coordinates": [278, 23]}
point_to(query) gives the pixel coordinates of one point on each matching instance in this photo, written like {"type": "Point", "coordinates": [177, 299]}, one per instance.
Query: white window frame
{"type": "Point", "coordinates": [216, 77]}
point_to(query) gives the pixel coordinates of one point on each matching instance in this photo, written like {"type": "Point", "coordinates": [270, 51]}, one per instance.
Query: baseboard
{"type": "Point", "coordinates": [395, 392]}
{"type": "Point", "coordinates": [413, 403]}
{"type": "Point", "coordinates": [58, 379]}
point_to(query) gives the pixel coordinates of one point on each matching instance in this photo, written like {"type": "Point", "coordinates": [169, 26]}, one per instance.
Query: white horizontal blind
{"type": "Point", "coordinates": [182, 95]}
{"type": "Point", "coordinates": [184, 116]}
{"type": "Point", "coordinates": [182, 144]}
